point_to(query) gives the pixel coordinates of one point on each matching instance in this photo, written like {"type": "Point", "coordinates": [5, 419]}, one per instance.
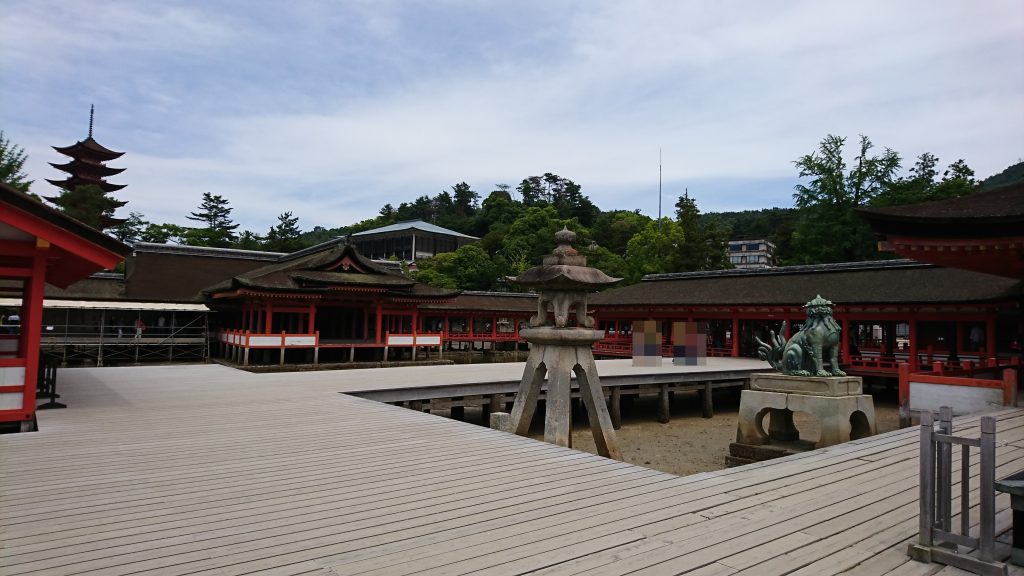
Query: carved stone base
{"type": "Point", "coordinates": [843, 417]}
{"type": "Point", "coordinates": [817, 386]}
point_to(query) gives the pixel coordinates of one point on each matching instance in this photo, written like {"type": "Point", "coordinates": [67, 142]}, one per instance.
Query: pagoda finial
{"type": "Point", "coordinates": [92, 109]}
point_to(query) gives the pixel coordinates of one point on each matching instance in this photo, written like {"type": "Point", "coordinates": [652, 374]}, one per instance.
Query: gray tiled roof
{"type": "Point", "coordinates": [883, 282]}
{"type": "Point", "coordinates": [414, 225]}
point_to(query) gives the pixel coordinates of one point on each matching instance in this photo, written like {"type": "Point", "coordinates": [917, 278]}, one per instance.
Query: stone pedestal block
{"type": "Point", "coordinates": [816, 386]}
{"type": "Point", "coordinates": [842, 416]}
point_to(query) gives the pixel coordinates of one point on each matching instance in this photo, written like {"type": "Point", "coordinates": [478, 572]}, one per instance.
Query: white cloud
{"type": "Point", "coordinates": [331, 110]}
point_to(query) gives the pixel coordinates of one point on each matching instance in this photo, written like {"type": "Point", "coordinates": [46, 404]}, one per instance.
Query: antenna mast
{"type": "Point", "coordinates": [659, 186]}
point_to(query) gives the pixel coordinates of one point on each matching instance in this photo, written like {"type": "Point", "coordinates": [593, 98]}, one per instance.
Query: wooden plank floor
{"type": "Point", "coordinates": [209, 470]}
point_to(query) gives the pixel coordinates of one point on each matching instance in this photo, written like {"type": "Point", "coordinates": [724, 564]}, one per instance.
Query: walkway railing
{"type": "Point", "coordinates": [937, 541]}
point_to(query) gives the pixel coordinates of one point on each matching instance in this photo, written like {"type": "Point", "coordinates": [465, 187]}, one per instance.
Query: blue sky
{"type": "Point", "coordinates": [331, 109]}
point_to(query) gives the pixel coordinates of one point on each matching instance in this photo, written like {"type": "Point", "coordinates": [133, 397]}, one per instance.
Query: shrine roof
{"type": "Point", "coordinates": [332, 265]}
{"type": "Point", "coordinates": [881, 282]}
{"type": "Point", "coordinates": [489, 301]}
{"type": "Point", "coordinates": [78, 166]}
{"type": "Point", "coordinates": [71, 182]}
{"type": "Point", "coordinates": [985, 214]}
{"type": "Point", "coordinates": [414, 225]}
{"type": "Point", "coordinates": [78, 249]}
{"type": "Point", "coordinates": [88, 148]}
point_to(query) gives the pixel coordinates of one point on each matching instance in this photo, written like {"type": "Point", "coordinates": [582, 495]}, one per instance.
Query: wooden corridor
{"type": "Point", "coordinates": [209, 470]}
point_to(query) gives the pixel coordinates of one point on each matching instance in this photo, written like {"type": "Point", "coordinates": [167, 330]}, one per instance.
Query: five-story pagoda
{"type": "Point", "coordinates": [84, 193]}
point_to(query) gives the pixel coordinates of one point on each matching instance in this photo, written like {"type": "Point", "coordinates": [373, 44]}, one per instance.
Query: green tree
{"type": "Point", "coordinates": [12, 161]}
{"type": "Point", "coordinates": [285, 235]}
{"type": "Point", "coordinates": [828, 229]}
{"type": "Point", "coordinates": [532, 236]}
{"type": "Point", "coordinates": [90, 205]}
{"type": "Point", "coordinates": [466, 201]}
{"type": "Point", "coordinates": [655, 250]}
{"type": "Point", "coordinates": [164, 233]}
{"type": "Point", "coordinates": [563, 194]}
{"type": "Point", "coordinates": [132, 229]}
{"type": "Point", "coordinates": [613, 229]}
{"type": "Point", "coordinates": [468, 268]}
{"type": "Point", "coordinates": [249, 241]}
{"type": "Point", "coordinates": [923, 183]}
{"type": "Point", "coordinates": [706, 242]}
{"type": "Point", "coordinates": [219, 231]}
{"type": "Point", "coordinates": [606, 261]}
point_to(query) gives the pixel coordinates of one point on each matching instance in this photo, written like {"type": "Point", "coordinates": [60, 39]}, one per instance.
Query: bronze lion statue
{"type": "Point", "coordinates": [804, 353]}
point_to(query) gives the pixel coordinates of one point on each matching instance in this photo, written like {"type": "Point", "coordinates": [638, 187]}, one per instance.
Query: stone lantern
{"type": "Point", "coordinates": [560, 348]}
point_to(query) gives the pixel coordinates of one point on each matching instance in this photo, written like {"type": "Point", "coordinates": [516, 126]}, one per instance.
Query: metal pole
{"type": "Point", "coordinates": [99, 350]}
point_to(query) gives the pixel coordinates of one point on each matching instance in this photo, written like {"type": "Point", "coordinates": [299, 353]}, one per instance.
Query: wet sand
{"type": "Point", "coordinates": [689, 444]}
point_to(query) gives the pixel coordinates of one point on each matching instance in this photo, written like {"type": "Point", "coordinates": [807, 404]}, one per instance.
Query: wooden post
{"type": "Point", "coordinates": [663, 404]}
{"type": "Point", "coordinates": [987, 489]}
{"type": "Point", "coordinates": [707, 406]}
{"type": "Point", "coordinates": [926, 480]}
{"type": "Point", "coordinates": [904, 394]}
{"type": "Point", "coordinates": [944, 470]}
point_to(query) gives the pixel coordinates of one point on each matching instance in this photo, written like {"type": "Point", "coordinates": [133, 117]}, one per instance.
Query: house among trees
{"type": "Point", "coordinates": [758, 253]}
{"type": "Point", "coordinates": [409, 241]}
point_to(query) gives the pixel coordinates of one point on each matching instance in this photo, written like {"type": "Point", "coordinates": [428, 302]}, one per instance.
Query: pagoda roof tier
{"type": "Point", "coordinates": [983, 231]}
{"type": "Point", "coordinates": [333, 267]}
{"type": "Point", "coordinates": [986, 214]}
{"type": "Point", "coordinates": [88, 149]}
{"type": "Point", "coordinates": [81, 167]}
{"type": "Point", "coordinates": [77, 180]}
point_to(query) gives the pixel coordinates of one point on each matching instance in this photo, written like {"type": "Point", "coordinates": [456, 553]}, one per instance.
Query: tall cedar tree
{"type": "Point", "coordinates": [285, 236]}
{"type": "Point", "coordinates": [12, 161]}
{"type": "Point", "coordinates": [219, 231]}
{"type": "Point", "coordinates": [90, 205]}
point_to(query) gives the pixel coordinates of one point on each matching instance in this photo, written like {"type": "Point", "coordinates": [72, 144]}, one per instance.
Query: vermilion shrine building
{"type": "Point", "coordinates": [38, 245]}
{"type": "Point", "coordinates": [891, 311]}
{"type": "Point", "coordinates": [330, 303]}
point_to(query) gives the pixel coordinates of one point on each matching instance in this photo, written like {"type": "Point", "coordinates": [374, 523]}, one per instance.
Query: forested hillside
{"type": "Point", "coordinates": [516, 225]}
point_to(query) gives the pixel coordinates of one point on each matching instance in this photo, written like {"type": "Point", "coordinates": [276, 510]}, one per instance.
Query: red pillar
{"type": "Point", "coordinates": [845, 338]}
{"type": "Point", "coordinates": [269, 322]}
{"type": "Point", "coordinates": [32, 325]}
{"type": "Point", "coordinates": [960, 338]}
{"type": "Point", "coordinates": [990, 337]}
{"type": "Point", "coordinates": [379, 315]}
{"type": "Point", "coordinates": [912, 360]}
{"type": "Point", "coordinates": [735, 337]}
{"type": "Point", "coordinates": [312, 319]}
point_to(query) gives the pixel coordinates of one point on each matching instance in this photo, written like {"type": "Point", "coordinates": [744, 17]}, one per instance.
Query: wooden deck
{"type": "Point", "coordinates": [208, 470]}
